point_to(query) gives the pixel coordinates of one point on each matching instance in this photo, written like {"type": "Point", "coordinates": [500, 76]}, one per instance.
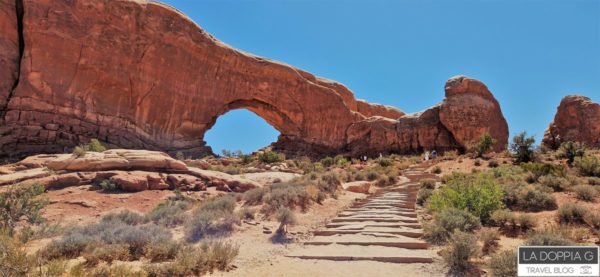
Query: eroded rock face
{"type": "Point", "coordinates": [577, 119]}
{"type": "Point", "coordinates": [138, 74]}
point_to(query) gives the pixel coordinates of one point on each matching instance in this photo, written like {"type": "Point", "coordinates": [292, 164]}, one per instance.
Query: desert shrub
{"type": "Point", "coordinates": [548, 237]}
{"type": "Point", "coordinates": [450, 155]}
{"type": "Point", "coordinates": [255, 196]}
{"type": "Point", "coordinates": [108, 186]}
{"type": "Point", "coordinates": [213, 218]}
{"type": "Point", "coordinates": [285, 217]}
{"type": "Point", "coordinates": [179, 156]}
{"type": "Point", "coordinates": [593, 181]}
{"type": "Point", "coordinates": [340, 161]}
{"type": "Point", "coordinates": [330, 183]}
{"type": "Point", "coordinates": [428, 183]}
{"type": "Point", "coordinates": [372, 175]}
{"type": "Point", "coordinates": [20, 202]}
{"type": "Point", "coordinates": [232, 169]}
{"type": "Point", "coordinates": [479, 194]}
{"type": "Point", "coordinates": [447, 221]}
{"type": "Point", "coordinates": [424, 195]}
{"type": "Point", "coordinates": [477, 162]}
{"type": "Point", "coordinates": [526, 222]}
{"type": "Point", "coordinates": [79, 151]}
{"type": "Point", "coordinates": [585, 192]}
{"type": "Point", "coordinates": [587, 165]}
{"type": "Point", "coordinates": [437, 170]}
{"type": "Point", "coordinates": [114, 232]}
{"type": "Point", "coordinates": [127, 217]}
{"type": "Point", "coordinates": [384, 162]}
{"type": "Point", "coordinates": [459, 251]}
{"type": "Point", "coordinates": [593, 220]}
{"type": "Point", "coordinates": [503, 218]}
{"type": "Point", "coordinates": [530, 198]}
{"type": "Point", "coordinates": [507, 173]}
{"type": "Point", "coordinates": [13, 260]}
{"type": "Point", "coordinates": [327, 161]}
{"type": "Point", "coordinates": [223, 203]}
{"type": "Point", "coordinates": [247, 213]}
{"type": "Point", "coordinates": [270, 157]}
{"type": "Point", "coordinates": [493, 164]}
{"type": "Point", "coordinates": [542, 169]}
{"type": "Point", "coordinates": [196, 261]}
{"type": "Point", "coordinates": [572, 214]}
{"type": "Point", "coordinates": [170, 212]}
{"type": "Point", "coordinates": [286, 195]}
{"type": "Point", "coordinates": [504, 264]}
{"type": "Point", "coordinates": [489, 239]}
{"type": "Point", "coordinates": [555, 183]}
{"type": "Point", "coordinates": [96, 146]}
{"type": "Point", "coordinates": [120, 270]}
{"type": "Point", "coordinates": [484, 144]}
{"type": "Point", "coordinates": [94, 254]}
{"type": "Point", "coordinates": [513, 223]}
{"type": "Point", "coordinates": [161, 251]}
{"type": "Point", "coordinates": [522, 148]}
{"type": "Point", "coordinates": [570, 150]}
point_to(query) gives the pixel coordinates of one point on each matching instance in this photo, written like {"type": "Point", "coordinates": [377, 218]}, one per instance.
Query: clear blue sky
{"type": "Point", "coordinates": [530, 53]}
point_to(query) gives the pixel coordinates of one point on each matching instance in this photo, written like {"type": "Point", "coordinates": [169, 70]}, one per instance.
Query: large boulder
{"type": "Point", "coordinates": [577, 119]}
{"type": "Point", "coordinates": [117, 159]}
{"type": "Point", "coordinates": [138, 74]}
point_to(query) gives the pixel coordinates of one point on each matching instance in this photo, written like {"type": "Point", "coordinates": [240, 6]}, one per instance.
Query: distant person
{"type": "Point", "coordinates": [426, 155]}
{"type": "Point", "coordinates": [380, 155]}
{"type": "Point", "coordinates": [434, 154]}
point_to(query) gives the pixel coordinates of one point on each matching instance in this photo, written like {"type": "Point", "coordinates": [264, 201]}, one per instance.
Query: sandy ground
{"type": "Point", "coordinates": [270, 177]}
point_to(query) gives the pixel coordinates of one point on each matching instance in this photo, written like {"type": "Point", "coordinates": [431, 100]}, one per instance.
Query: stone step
{"type": "Point", "coordinates": [405, 245]}
{"type": "Point", "coordinates": [372, 219]}
{"type": "Point", "coordinates": [389, 215]}
{"type": "Point", "coordinates": [336, 252]}
{"type": "Point", "coordinates": [363, 228]}
{"type": "Point", "coordinates": [410, 234]}
{"type": "Point", "coordinates": [376, 224]}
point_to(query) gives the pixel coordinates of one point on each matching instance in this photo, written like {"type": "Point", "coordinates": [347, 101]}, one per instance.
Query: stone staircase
{"type": "Point", "coordinates": [383, 227]}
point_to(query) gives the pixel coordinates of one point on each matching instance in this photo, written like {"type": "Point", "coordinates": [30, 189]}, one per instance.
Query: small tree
{"type": "Point", "coordinates": [570, 150]}
{"type": "Point", "coordinates": [484, 144]}
{"type": "Point", "coordinates": [285, 217]}
{"type": "Point", "coordinates": [96, 146]}
{"type": "Point", "coordinates": [522, 148]}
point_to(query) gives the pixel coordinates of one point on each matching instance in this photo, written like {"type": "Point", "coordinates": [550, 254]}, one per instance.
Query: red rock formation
{"type": "Point", "coordinates": [9, 51]}
{"type": "Point", "coordinates": [577, 119]}
{"type": "Point", "coordinates": [140, 74]}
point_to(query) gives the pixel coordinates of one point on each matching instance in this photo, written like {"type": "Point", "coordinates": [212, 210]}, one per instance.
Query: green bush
{"type": "Point", "coordinates": [108, 186]}
{"type": "Point", "coordinates": [447, 221]}
{"type": "Point", "coordinates": [327, 161]}
{"type": "Point", "coordinates": [570, 150]}
{"type": "Point", "coordinates": [340, 161]}
{"type": "Point", "coordinates": [479, 194]}
{"type": "Point", "coordinates": [384, 162]}
{"type": "Point", "coordinates": [424, 195]}
{"type": "Point", "coordinates": [585, 192]}
{"type": "Point", "coordinates": [531, 198]}
{"type": "Point", "coordinates": [587, 166]}
{"type": "Point", "coordinates": [79, 151]}
{"type": "Point", "coordinates": [270, 157]}
{"type": "Point", "coordinates": [484, 144]}
{"type": "Point", "coordinates": [13, 260]}
{"type": "Point", "coordinates": [459, 251]}
{"type": "Point", "coordinates": [522, 148]}
{"type": "Point", "coordinates": [542, 169]}
{"type": "Point", "coordinates": [504, 264]}
{"type": "Point", "coordinates": [572, 214]}
{"type": "Point", "coordinates": [20, 202]}
{"type": "Point", "coordinates": [96, 146]}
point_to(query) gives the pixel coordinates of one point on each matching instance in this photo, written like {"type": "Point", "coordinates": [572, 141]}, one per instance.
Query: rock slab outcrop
{"type": "Point", "coordinates": [137, 74]}
{"type": "Point", "coordinates": [577, 119]}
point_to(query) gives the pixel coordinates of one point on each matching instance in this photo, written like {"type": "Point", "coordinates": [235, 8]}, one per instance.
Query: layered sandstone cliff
{"type": "Point", "coordinates": [139, 74]}
{"type": "Point", "coordinates": [577, 119]}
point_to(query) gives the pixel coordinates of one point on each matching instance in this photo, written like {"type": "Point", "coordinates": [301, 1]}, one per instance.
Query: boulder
{"type": "Point", "coordinates": [577, 119]}
{"type": "Point", "coordinates": [117, 159]}
{"type": "Point", "coordinates": [140, 74]}
{"type": "Point", "coordinates": [224, 181]}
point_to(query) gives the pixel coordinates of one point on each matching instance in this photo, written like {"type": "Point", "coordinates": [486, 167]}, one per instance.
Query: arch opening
{"type": "Point", "coordinates": [240, 130]}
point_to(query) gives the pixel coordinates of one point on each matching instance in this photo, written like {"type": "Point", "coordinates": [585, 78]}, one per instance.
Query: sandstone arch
{"type": "Point", "coordinates": [139, 74]}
